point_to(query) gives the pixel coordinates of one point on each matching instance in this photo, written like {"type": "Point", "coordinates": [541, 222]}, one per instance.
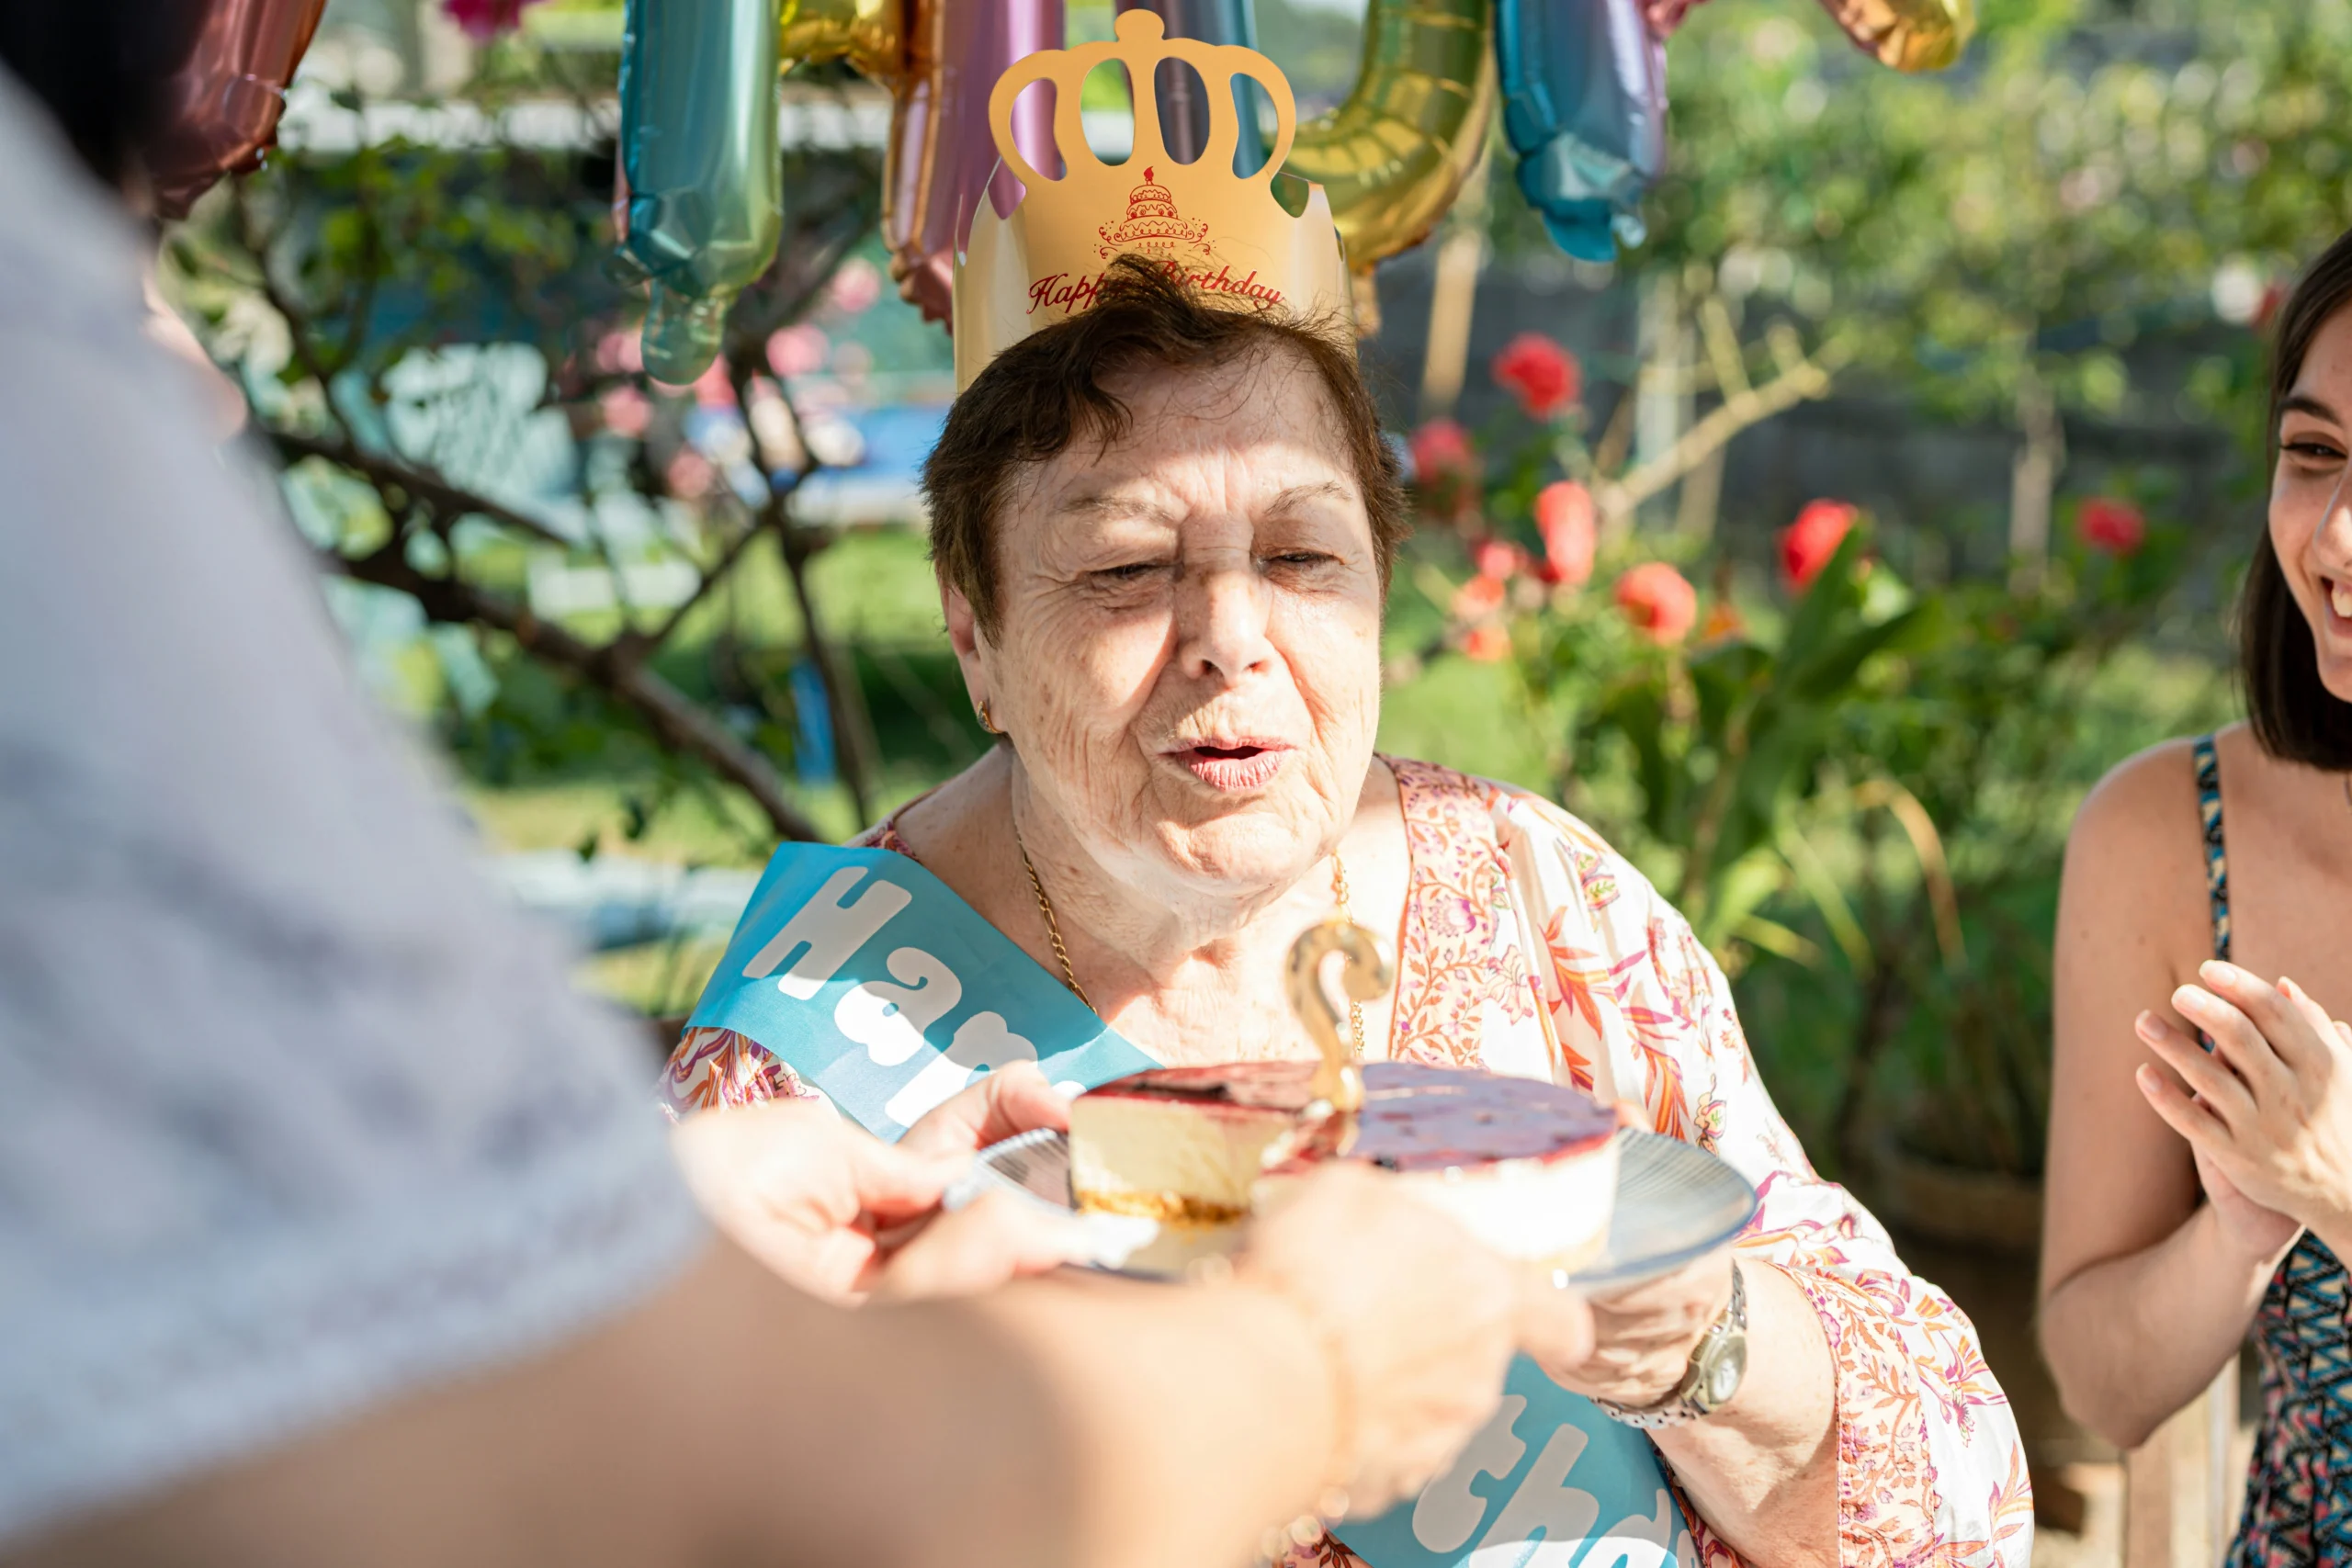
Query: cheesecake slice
{"type": "Point", "coordinates": [1183, 1146]}
{"type": "Point", "coordinates": [1529, 1167]}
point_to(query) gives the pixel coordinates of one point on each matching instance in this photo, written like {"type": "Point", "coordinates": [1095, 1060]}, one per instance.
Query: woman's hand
{"type": "Point", "coordinates": [1643, 1338]}
{"type": "Point", "coordinates": [1006, 1102]}
{"type": "Point", "coordinates": [2246, 1225]}
{"type": "Point", "coordinates": [805, 1192]}
{"type": "Point", "coordinates": [1419, 1320]}
{"type": "Point", "coordinates": [839, 1214]}
{"type": "Point", "coordinates": [2269, 1111]}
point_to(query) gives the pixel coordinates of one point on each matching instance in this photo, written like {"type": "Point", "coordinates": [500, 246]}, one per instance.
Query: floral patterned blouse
{"type": "Point", "coordinates": [1531, 947]}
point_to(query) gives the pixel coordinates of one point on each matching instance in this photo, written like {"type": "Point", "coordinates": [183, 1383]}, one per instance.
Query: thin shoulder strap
{"type": "Point", "coordinates": [2217, 858]}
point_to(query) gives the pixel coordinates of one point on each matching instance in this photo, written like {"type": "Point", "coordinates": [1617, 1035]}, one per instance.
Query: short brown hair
{"type": "Point", "coordinates": [1047, 390]}
{"type": "Point", "coordinates": [2294, 716]}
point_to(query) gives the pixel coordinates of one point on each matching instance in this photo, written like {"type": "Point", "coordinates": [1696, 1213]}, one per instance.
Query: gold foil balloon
{"type": "Point", "coordinates": [1394, 156]}
{"type": "Point", "coordinates": [228, 97]}
{"type": "Point", "coordinates": [869, 34]}
{"type": "Point", "coordinates": [942, 158]}
{"type": "Point", "coordinates": [1910, 35]}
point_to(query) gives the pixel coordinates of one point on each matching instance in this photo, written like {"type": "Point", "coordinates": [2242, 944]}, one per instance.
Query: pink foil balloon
{"type": "Point", "coordinates": [942, 155]}
{"type": "Point", "coordinates": [229, 95]}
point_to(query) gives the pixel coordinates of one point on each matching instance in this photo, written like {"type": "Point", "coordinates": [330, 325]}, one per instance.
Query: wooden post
{"type": "Point", "coordinates": [2180, 1487]}
{"type": "Point", "coordinates": [2033, 481]}
{"type": "Point", "coordinates": [1453, 289]}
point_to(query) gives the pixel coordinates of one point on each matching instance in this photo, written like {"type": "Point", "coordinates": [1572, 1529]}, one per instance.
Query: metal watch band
{"type": "Point", "coordinates": [1687, 1402]}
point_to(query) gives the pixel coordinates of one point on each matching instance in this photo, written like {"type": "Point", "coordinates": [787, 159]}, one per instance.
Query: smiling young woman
{"type": "Point", "coordinates": [2201, 1134]}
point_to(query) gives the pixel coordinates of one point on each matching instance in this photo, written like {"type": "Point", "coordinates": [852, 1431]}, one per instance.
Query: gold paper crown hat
{"type": "Point", "coordinates": [1224, 233]}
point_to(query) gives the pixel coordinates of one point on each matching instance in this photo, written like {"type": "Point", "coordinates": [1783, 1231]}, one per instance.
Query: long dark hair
{"type": "Point", "coordinates": [2294, 716]}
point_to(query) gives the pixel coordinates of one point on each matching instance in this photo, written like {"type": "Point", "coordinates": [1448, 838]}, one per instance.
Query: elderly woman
{"type": "Point", "coordinates": [1163, 531]}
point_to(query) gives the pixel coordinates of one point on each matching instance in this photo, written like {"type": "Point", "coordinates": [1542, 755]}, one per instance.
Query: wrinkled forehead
{"type": "Point", "coordinates": [1229, 435]}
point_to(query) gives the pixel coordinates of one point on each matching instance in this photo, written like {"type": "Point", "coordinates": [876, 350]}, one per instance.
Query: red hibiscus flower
{"type": "Point", "coordinates": [1499, 560]}
{"type": "Point", "coordinates": [1659, 600]}
{"type": "Point", "coordinates": [1488, 643]}
{"type": "Point", "coordinates": [1564, 515]}
{"type": "Point", "coordinates": [1482, 596]}
{"type": "Point", "coordinates": [1665, 15]}
{"type": "Point", "coordinates": [482, 20]}
{"type": "Point", "coordinates": [2111, 526]}
{"type": "Point", "coordinates": [1441, 449]}
{"type": "Point", "coordinates": [627, 410]}
{"type": "Point", "coordinates": [1541, 374]}
{"type": "Point", "coordinates": [1807, 544]}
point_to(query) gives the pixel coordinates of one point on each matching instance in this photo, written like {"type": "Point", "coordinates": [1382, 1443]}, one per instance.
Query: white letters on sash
{"type": "Point", "coordinates": [983, 1042]}
{"type": "Point", "coordinates": [832, 931]}
{"type": "Point", "coordinates": [1545, 1522]}
{"type": "Point", "coordinates": [1645, 1542]}
{"type": "Point", "coordinates": [887, 1020]}
{"type": "Point", "coordinates": [1544, 1501]}
{"type": "Point", "coordinates": [889, 1016]}
{"type": "Point", "coordinates": [1448, 1511]}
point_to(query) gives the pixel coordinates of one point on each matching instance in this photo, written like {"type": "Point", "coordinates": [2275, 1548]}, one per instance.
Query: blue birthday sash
{"type": "Point", "coordinates": [871, 980]}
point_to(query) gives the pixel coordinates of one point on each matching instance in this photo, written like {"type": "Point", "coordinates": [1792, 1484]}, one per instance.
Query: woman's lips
{"type": "Point", "coordinates": [1235, 765]}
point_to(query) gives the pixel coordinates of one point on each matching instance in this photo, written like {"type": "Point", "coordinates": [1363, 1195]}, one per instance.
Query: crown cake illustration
{"type": "Point", "coordinates": [1224, 234]}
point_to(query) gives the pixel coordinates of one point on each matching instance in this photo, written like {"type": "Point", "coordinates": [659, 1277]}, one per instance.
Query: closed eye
{"type": "Point", "coordinates": [1129, 573]}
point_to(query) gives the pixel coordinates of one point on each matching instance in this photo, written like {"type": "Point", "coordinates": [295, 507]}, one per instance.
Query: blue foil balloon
{"type": "Point", "coordinates": [703, 171]}
{"type": "Point", "coordinates": [1584, 106]}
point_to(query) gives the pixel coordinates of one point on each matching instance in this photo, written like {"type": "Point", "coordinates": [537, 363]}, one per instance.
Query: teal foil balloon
{"type": "Point", "coordinates": [701, 167]}
{"type": "Point", "coordinates": [1583, 107]}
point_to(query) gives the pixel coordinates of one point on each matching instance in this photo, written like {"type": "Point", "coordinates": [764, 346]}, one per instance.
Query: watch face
{"type": "Point", "coordinates": [1725, 1363]}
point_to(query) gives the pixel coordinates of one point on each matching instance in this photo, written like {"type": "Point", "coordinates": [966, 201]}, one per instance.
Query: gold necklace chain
{"type": "Point", "coordinates": [1340, 896]}
{"type": "Point", "coordinates": [1053, 926]}
{"type": "Point", "coordinates": [1069, 976]}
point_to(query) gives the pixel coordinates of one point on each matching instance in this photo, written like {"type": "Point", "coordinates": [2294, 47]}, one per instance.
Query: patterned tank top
{"type": "Point", "coordinates": [2298, 1496]}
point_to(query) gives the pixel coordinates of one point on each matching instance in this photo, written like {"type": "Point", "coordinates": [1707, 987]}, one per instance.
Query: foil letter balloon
{"type": "Point", "coordinates": [869, 34]}
{"type": "Point", "coordinates": [1910, 35]}
{"type": "Point", "coordinates": [1183, 115]}
{"type": "Point", "coordinates": [1224, 234]}
{"type": "Point", "coordinates": [1394, 156]}
{"type": "Point", "coordinates": [701, 168]}
{"type": "Point", "coordinates": [940, 157]}
{"type": "Point", "coordinates": [227, 99]}
{"type": "Point", "coordinates": [1584, 106]}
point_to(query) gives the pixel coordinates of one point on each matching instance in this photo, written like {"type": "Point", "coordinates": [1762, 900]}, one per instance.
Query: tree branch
{"type": "Point", "coordinates": [618, 671]}
{"type": "Point", "coordinates": [1805, 379]}
{"type": "Point", "coordinates": [392, 473]}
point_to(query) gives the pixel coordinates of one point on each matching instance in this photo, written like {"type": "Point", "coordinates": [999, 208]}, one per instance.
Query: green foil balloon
{"type": "Point", "coordinates": [1394, 156]}
{"type": "Point", "coordinates": [703, 171]}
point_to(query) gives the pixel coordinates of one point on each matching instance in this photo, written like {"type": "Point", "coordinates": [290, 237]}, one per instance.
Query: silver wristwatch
{"type": "Point", "coordinates": [1717, 1364]}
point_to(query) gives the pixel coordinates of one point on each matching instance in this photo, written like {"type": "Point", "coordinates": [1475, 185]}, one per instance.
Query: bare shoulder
{"type": "Point", "coordinates": [2143, 814]}
{"type": "Point", "coordinates": [2136, 866]}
